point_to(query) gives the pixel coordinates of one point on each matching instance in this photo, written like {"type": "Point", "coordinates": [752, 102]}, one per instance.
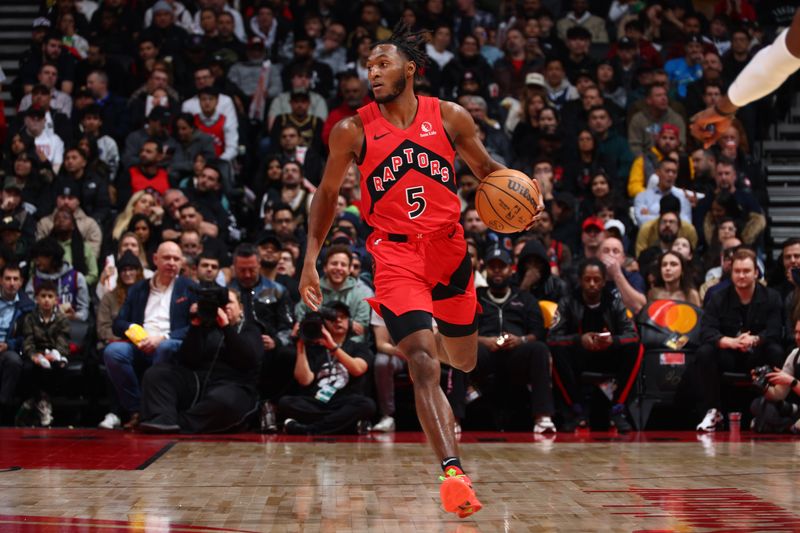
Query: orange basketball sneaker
{"type": "Point", "coordinates": [457, 494]}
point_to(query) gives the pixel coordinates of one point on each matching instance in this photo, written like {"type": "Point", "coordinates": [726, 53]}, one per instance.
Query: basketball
{"type": "Point", "coordinates": [507, 200]}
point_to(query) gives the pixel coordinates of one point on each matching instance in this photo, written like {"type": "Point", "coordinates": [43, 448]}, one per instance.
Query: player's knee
{"type": "Point", "coordinates": [424, 369]}
{"type": "Point", "coordinates": [467, 365]}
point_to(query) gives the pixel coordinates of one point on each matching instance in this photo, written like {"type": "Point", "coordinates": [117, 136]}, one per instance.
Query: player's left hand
{"type": "Point", "coordinates": [708, 126]}
{"type": "Point", "coordinates": [309, 288]}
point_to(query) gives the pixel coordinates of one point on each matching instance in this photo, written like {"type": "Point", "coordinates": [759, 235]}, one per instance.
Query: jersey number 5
{"type": "Point", "coordinates": [415, 200]}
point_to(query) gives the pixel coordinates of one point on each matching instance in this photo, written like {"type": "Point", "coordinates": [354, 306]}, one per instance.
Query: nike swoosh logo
{"type": "Point", "coordinates": [377, 137]}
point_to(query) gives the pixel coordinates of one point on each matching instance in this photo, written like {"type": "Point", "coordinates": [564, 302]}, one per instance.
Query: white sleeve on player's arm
{"type": "Point", "coordinates": [764, 73]}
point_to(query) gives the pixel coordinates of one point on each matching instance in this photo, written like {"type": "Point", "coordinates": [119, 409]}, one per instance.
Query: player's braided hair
{"type": "Point", "coordinates": [410, 43]}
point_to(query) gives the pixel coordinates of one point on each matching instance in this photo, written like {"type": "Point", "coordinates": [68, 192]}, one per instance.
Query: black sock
{"type": "Point", "coordinates": [451, 461]}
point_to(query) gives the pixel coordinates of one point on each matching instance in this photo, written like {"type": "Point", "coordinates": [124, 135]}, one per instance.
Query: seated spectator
{"type": "Point", "coordinates": [210, 120]}
{"type": "Point", "coordinates": [160, 306]}
{"type": "Point", "coordinates": [511, 70]}
{"type": "Point", "coordinates": [191, 219]}
{"type": "Point", "coordinates": [644, 169]}
{"type": "Point", "coordinates": [14, 305]}
{"type": "Point", "coordinates": [603, 195]}
{"type": "Point", "coordinates": [47, 256]}
{"type": "Point", "coordinates": [56, 121]}
{"type": "Point", "coordinates": [130, 271]}
{"type": "Point", "coordinates": [650, 232]}
{"type": "Point", "coordinates": [289, 149]}
{"type": "Point", "coordinates": [682, 71]}
{"type": "Point", "coordinates": [353, 94]}
{"type": "Point", "coordinates": [558, 254]}
{"type": "Point", "coordinates": [224, 357]}
{"type": "Point", "coordinates": [624, 284]}
{"type": "Point", "coordinates": [67, 197]}
{"type": "Point", "coordinates": [292, 194]}
{"type": "Point", "coordinates": [300, 78]}
{"type": "Point", "coordinates": [60, 101]}
{"type": "Point", "coordinates": [749, 171]}
{"type": "Point", "coordinates": [113, 107]}
{"type": "Point", "coordinates": [34, 176]}
{"type": "Point", "coordinates": [740, 330]}
{"type": "Point", "coordinates": [731, 202]}
{"type": "Point", "coordinates": [45, 347]}
{"type": "Point", "coordinates": [565, 227]}
{"type": "Point", "coordinates": [684, 248]}
{"type": "Point", "coordinates": [48, 145]}
{"type": "Point", "coordinates": [535, 275]}
{"type": "Point", "coordinates": [332, 371]}
{"type": "Point", "coordinates": [155, 129]}
{"type": "Point", "coordinates": [510, 344]}
{"type": "Point", "coordinates": [206, 191]}
{"type": "Point", "coordinates": [592, 235]}
{"type": "Point", "coordinates": [309, 126]}
{"type": "Point", "coordinates": [580, 16]}
{"type": "Point", "coordinates": [148, 174]}
{"type": "Point", "coordinates": [268, 306]}
{"type": "Point", "coordinates": [91, 187]}
{"type": "Point", "coordinates": [559, 89]}
{"type": "Point", "coordinates": [144, 203]}
{"type": "Point", "coordinates": [647, 203]}
{"type": "Point", "coordinates": [673, 280]}
{"type": "Point", "coordinates": [592, 332]}
{"type": "Point", "coordinates": [191, 142]}
{"type": "Point", "coordinates": [336, 284]}
{"type": "Point", "coordinates": [12, 208]}
{"type": "Point", "coordinates": [148, 234]}
{"type": "Point", "coordinates": [588, 162]}
{"type": "Point", "coordinates": [790, 258]}
{"type": "Point", "coordinates": [778, 410]}
{"type": "Point", "coordinates": [645, 125]}
{"type": "Point", "coordinates": [269, 253]}
{"type": "Point", "coordinates": [725, 229]}
{"type": "Point", "coordinates": [108, 151]}
{"type": "Point", "coordinates": [76, 253]}
{"type": "Point", "coordinates": [610, 144]}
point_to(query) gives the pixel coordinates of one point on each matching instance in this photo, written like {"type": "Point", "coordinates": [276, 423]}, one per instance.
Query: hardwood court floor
{"type": "Point", "coordinates": [93, 481]}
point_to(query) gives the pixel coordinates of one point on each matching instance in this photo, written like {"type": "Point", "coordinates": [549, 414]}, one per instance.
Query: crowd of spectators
{"type": "Point", "coordinates": [162, 146]}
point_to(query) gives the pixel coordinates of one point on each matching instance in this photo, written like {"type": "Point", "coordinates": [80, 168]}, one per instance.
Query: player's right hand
{"type": "Point", "coordinates": [708, 126]}
{"type": "Point", "coordinates": [309, 288]}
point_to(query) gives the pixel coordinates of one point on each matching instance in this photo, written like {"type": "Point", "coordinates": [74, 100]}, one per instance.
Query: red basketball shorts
{"type": "Point", "coordinates": [430, 273]}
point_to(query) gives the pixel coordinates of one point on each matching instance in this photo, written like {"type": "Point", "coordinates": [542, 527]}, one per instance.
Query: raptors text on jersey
{"type": "Point", "coordinates": [408, 184]}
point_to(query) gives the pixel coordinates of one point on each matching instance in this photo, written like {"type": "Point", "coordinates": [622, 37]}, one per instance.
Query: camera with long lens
{"type": "Point", "coordinates": [210, 297]}
{"type": "Point", "coordinates": [760, 379]}
{"type": "Point", "coordinates": [311, 326]}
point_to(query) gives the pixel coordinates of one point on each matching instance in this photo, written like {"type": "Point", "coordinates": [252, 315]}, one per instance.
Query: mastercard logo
{"type": "Point", "coordinates": [678, 317]}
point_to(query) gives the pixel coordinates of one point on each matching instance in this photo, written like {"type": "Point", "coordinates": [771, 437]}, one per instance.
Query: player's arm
{"type": "Point", "coordinates": [464, 133]}
{"type": "Point", "coordinates": [765, 72]}
{"type": "Point", "coordinates": [346, 136]}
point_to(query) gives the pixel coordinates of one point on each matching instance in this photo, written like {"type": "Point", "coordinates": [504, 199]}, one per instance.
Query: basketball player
{"type": "Point", "coordinates": [768, 69]}
{"type": "Point", "coordinates": [404, 146]}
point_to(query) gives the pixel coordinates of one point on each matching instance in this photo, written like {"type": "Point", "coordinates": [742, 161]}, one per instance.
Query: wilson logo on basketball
{"type": "Point", "coordinates": [520, 189]}
{"type": "Point", "coordinates": [426, 129]}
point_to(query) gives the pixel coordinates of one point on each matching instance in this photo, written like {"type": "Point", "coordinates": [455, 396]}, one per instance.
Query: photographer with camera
{"type": "Point", "coordinates": [778, 410]}
{"type": "Point", "coordinates": [155, 319]}
{"type": "Point", "coordinates": [740, 330]}
{"type": "Point", "coordinates": [333, 370]}
{"type": "Point", "coordinates": [212, 386]}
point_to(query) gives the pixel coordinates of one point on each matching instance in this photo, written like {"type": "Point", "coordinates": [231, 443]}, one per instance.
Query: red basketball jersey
{"type": "Point", "coordinates": [408, 184]}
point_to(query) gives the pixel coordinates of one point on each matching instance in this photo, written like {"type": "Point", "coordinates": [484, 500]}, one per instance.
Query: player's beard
{"type": "Point", "coordinates": [397, 89]}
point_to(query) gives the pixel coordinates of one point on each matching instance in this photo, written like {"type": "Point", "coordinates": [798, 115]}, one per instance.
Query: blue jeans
{"type": "Point", "coordinates": [119, 358]}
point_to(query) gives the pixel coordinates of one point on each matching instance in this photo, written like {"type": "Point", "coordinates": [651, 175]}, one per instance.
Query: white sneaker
{"type": "Point", "coordinates": [111, 421]}
{"type": "Point", "coordinates": [544, 425]}
{"type": "Point", "coordinates": [45, 410]}
{"type": "Point", "coordinates": [709, 423]}
{"type": "Point", "coordinates": [386, 425]}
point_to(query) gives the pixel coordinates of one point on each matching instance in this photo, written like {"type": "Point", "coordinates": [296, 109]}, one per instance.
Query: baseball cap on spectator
{"type": "Point", "coordinates": [299, 93]}
{"type": "Point", "coordinates": [593, 222]}
{"type": "Point", "coordinates": [160, 114]}
{"type": "Point", "coordinates": [67, 188]}
{"type": "Point", "coordinates": [210, 90]}
{"type": "Point", "coordinates": [567, 199]}
{"type": "Point", "coordinates": [670, 128]}
{"type": "Point", "coordinates": [41, 22]}
{"type": "Point", "coordinates": [195, 42]}
{"type": "Point", "coordinates": [626, 43]}
{"type": "Point", "coordinates": [583, 73]}
{"type": "Point", "coordinates": [35, 112]}
{"type": "Point", "coordinates": [128, 260]}
{"type": "Point", "coordinates": [535, 78]}
{"type": "Point", "coordinates": [162, 5]}
{"type": "Point", "coordinates": [269, 237]}
{"type": "Point", "coordinates": [10, 223]}
{"type": "Point", "coordinates": [579, 32]}
{"type": "Point", "coordinates": [617, 225]}
{"type": "Point", "coordinates": [12, 184]}
{"type": "Point", "coordinates": [498, 254]}
{"type": "Point", "coordinates": [338, 305]}
{"type": "Point", "coordinates": [694, 38]}
{"type": "Point", "coordinates": [669, 204]}
{"type": "Point", "coordinates": [255, 42]}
